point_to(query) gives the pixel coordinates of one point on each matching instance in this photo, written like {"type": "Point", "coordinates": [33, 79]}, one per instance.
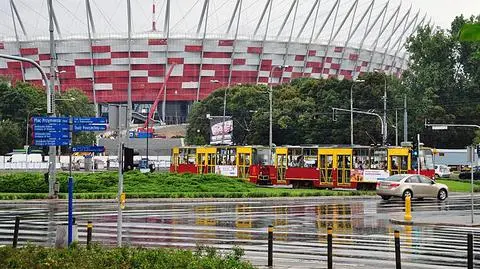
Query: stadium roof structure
{"type": "Point", "coordinates": [110, 47]}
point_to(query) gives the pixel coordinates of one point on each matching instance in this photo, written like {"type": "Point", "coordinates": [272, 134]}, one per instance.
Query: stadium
{"type": "Point", "coordinates": [178, 52]}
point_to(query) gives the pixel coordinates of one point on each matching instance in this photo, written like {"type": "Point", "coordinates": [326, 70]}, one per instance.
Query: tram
{"type": "Point", "coordinates": [320, 166]}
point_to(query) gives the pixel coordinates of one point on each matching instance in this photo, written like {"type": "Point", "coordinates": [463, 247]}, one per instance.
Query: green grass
{"type": "Point", "coordinates": [103, 185]}
{"type": "Point", "coordinates": [459, 186]}
{"type": "Point", "coordinates": [127, 257]}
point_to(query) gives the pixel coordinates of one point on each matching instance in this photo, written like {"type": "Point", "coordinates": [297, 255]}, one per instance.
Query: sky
{"type": "Point", "coordinates": [444, 11]}
{"type": "Point", "coordinates": [110, 17]}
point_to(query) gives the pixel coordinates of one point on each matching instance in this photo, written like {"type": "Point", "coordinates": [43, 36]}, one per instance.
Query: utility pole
{"type": "Point", "coordinates": [405, 120]}
{"type": "Point", "coordinates": [385, 133]}
{"type": "Point", "coordinates": [396, 127]}
{"type": "Point", "coordinates": [418, 154]}
{"type": "Point", "coordinates": [52, 149]}
{"type": "Point", "coordinates": [351, 108]}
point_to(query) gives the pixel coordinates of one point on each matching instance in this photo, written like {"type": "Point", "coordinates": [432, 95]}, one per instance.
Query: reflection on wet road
{"type": "Point", "coordinates": [363, 236]}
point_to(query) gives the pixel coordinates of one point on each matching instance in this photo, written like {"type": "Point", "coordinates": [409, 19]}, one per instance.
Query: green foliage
{"type": "Point", "coordinates": [22, 101]}
{"type": "Point", "coordinates": [126, 257]}
{"type": "Point", "coordinates": [470, 32]}
{"type": "Point", "coordinates": [444, 75]}
{"type": "Point", "coordinates": [302, 112]}
{"type": "Point", "coordinates": [10, 136]}
{"type": "Point", "coordinates": [103, 185]}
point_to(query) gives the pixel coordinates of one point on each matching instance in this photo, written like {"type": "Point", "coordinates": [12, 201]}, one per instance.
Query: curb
{"type": "Point", "coordinates": [419, 223]}
{"type": "Point", "coordinates": [184, 200]}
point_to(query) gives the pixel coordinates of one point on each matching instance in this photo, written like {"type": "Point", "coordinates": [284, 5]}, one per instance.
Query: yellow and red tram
{"type": "Point", "coordinates": [332, 166]}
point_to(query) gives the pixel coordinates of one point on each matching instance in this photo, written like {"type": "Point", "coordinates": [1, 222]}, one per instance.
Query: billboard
{"type": "Point", "coordinates": [221, 131]}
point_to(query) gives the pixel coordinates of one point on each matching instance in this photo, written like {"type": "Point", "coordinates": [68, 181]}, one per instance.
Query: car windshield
{"type": "Point", "coordinates": [395, 178]}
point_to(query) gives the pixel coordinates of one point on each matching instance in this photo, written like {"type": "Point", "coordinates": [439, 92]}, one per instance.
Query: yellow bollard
{"type": "Point", "coordinates": [123, 198]}
{"type": "Point", "coordinates": [408, 209]}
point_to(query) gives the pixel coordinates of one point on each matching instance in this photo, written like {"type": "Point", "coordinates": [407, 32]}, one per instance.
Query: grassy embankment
{"type": "Point", "coordinates": [156, 185]}
{"type": "Point", "coordinates": [455, 185]}
{"type": "Point", "coordinates": [104, 257]}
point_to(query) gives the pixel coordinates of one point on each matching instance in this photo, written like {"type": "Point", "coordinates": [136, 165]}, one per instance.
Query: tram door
{"type": "Point", "coordinates": [281, 164]}
{"type": "Point", "coordinates": [175, 158]}
{"type": "Point", "coordinates": [201, 161]}
{"type": "Point", "coordinates": [211, 159]}
{"type": "Point", "coordinates": [398, 161]}
{"type": "Point", "coordinates": [325, 165]}
{"type": "Point", "coordinates": [343, 163]}
{"type": "Point", "coordinates": [244, 157]}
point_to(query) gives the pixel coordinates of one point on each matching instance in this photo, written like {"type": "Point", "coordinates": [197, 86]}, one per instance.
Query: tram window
{"type": "Point", "coordinates": [226, 156]}
{"type": "Point", "coordinates": [310, 157]}
{"type": "Point", "coordinates": [379, 159]}
{"type": "Point", "coordinates": [261, 156]}
{"type": "Point", "coordinates": [361, 159]}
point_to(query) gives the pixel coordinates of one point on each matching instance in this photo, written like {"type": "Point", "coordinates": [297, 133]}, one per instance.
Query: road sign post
{"type": "Point", "coordinates": [117, 120]}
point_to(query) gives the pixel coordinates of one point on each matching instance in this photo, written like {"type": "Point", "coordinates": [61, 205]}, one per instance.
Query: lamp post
{"type": "Point", "coordinates": [385, 132]}
{"type": "Point", "coordinates": [57, 75]}
{"type": "Point", "coordinates": [50, 111]}
{"type": "Point", "coordinates": [437, 126]}
{"type": "Point", "coordinates": [270, 99]}
{"type": "Point", "coordinates": [351, 108]}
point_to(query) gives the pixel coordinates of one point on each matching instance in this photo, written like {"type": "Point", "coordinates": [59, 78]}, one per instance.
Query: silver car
{"type": "Point", "coordinates": [418, 186]}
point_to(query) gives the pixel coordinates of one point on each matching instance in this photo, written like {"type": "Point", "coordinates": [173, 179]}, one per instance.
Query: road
{"type": "Point", "coordinates": [363, 234]}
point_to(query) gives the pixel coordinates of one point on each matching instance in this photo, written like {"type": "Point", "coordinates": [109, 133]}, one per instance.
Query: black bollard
{"type": "Point", "coordinates": [470, 250]}
{"type": "Point", "coordinates": [89, 233]}
{"type": "Point", "coordinates": [329, 247]}
{"type": "Point", "coordinates": [270, 245]}
{"type": "Point", "coordinates": [398, 260]}
{"type": "Point", "coordinates": [15, 231]}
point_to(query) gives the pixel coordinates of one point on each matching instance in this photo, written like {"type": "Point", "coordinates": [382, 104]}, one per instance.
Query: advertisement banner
{"type": "Point", "coordinates": [226, 170]}
{"type": "Point", "coordinates": [221, 131]}
{"type": "Point", "coordinates": [368, 175]}
{"type": "Point", "coordinates": [374, 175]}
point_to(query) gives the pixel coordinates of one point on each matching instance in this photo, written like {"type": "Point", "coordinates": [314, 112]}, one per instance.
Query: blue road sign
{"type": "Point", "coordinates": [51, 142]}
{"type": "Point", "coordinates": [51, 128]}
{"type": "Point", "coordinates": [88, 149]}
{"type": "Point", "coordinates": [78, 120]}
{"type": "Point", "coordinates": [50, 120]}
{"type": "Point", "coordinates": [48, 135]}
{"type": "Point", "coordinates": [89, 128]}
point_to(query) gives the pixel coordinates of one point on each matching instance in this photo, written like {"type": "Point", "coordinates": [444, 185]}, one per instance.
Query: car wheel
{"type": "Point", "coordinates": [437, 176]}
{"type": "Point", "coordinates": [386, 197]}
{"type": "Point", "coordinates": [407, 193]}
{"type": "Point", "coordinates": [442, 194]}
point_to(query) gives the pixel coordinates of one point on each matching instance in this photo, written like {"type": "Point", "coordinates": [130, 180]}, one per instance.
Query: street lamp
{"type": "Point", "coordinates": [384, 104]}
{"type": "Point", "coordinates": [270, 98]}
{"type": "Point", "coordinates": [57, 73]}
{"type": "Point", "coordinates": [351, 108]}
{"type": "Point", "coordinates": [216, 81]}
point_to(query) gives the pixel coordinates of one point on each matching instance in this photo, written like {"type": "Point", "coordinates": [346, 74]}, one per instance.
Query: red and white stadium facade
{"type": "Point", "coordinates": [105, 65]}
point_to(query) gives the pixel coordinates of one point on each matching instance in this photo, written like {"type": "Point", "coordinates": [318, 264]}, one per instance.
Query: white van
{"type": "Point", "coordinates": [442, 170]}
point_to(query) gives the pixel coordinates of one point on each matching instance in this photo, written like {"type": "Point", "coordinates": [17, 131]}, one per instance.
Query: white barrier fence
{"type": "Point", "coordinates": [78, 163]}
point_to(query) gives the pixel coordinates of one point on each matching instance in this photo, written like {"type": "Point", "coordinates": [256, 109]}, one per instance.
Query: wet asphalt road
{"type": "Point", "coordinates": [363, 235]}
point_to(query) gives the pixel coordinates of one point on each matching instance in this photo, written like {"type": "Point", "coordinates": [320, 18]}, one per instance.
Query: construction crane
{"type": "Point", "coordinates": [157, 99]}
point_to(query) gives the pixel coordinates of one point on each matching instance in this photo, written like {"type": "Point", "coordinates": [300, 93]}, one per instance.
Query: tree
{"type": "Point", "coordinates": [75, 103]}
{"type": "Point", "coordinates": [10, 136]}
{"type": "Point", "coordinates": [445, 71]}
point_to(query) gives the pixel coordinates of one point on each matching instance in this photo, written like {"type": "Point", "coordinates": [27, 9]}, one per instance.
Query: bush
{"type": "Point", "coordinates": [103, 257]}
{"type": "Point", "coordinates": [103, 185]}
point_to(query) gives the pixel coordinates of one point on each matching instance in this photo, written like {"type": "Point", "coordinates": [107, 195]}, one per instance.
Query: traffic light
{"type": "Point", "coordinates": [415, 149]}
{"type": "Point", "coordinates": [127, 159]}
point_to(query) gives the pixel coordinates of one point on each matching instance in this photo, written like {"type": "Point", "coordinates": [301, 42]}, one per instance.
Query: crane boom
{"type": "Point", "coordinates": [157, 100]}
